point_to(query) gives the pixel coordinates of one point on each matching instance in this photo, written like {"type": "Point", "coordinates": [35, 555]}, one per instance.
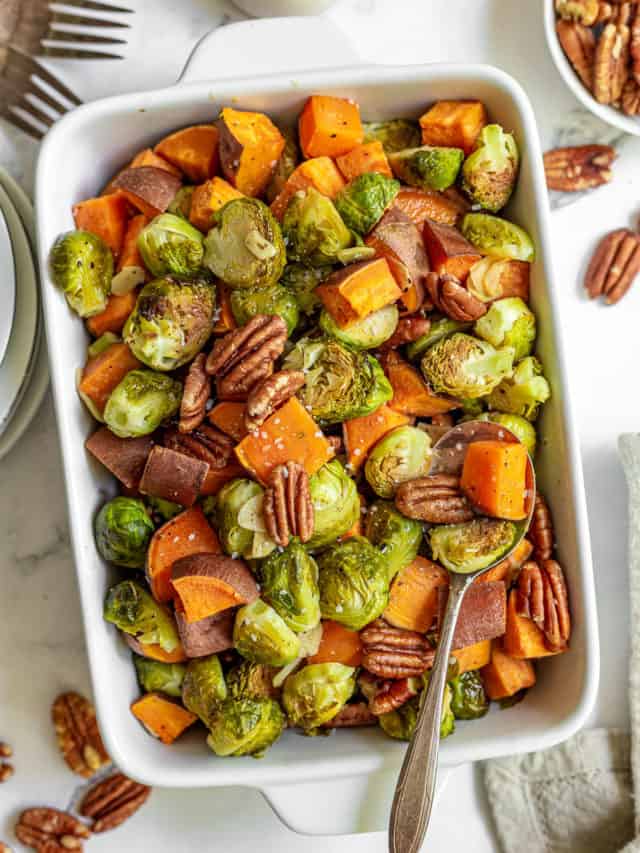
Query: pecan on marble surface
{"type": "Point", "coordinates": [614, 265]}
{"type": "Point", "coordinates": [48, 830]}
{"type": "Point", "coordinates": [74, 719]}
{"type": "Point", "coordinates": [112, 801]}
{"type": "Point", "coordinates": [578, 167]}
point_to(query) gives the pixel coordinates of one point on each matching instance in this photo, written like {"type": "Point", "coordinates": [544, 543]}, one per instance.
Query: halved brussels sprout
{"type": "Point", "coordinates": [395, 135]}
{"type": "Point", "coordinates": [181, 204]}
{"type": "Point", "coordinates": [336, 503]}
{"type": "Point", "coordinates": [289, 583]}
{"type": "Point", "coordinates": [427, 167]}
{"type": "Point", "coordinates": [244, 247]}
{"type": "Point", "coordinates": [236, 514]}
{"type": "Point", "coordinates": [123, 529]}
{"type": "Point", "coordinates": [245, 726]}
{"type": "Point", "coordinates": [276, 300]}
{"type": "Point", "coordinates": [368, 333]}
{"type": "Point", "coordinates": [82, 267]}
{"type": "Point", "coordinates": [169, 245]}
{"type": "Point", "coordinates": [468, 698]}
{"type": "Point", "coordinates": [140, 402]}
{"type": "Point", "coordinates": [508, 323]}
{"type": "Point", "coordinates": [261, 635]}
{"type": "Point", "coordinates": [490, 172]}
{"type": "Point", "coordinates": [523, 429]}
{"type": "Point", "coordinates": [441, 328]}
{"type": "Point", "coordinates": [354, 586]}
{"type": "Point", "coordinates": [251, 680]}
{"type": "Point", "coordinates": [472, 545]}
{"type": "Point", "coordinates": [171, 322]}
{"type": "Point", "coordinates": [313, 229]}
{"type": "Point", "coordinates": [153, 675]}
{"type": "Point", "coordinates": [396, 537]}
{"type": "Point", "coordinates": [315, 694]}
{"type": "Point", "coordinates": [204, 688]}
{"type": "Point", "coordinates": [364, 200]}
{"type": "Point", "coordinates": [402, 454]}
{"type": "Point", "coordinates": [401, 723]}
{"type": "Point", "coordinates": [130, 608]}
{"type": "Point", "coordinates": [302, 281]}
{"type": "Point", "coordinates": [522, 393]}
{"type": "Point", "coordinates": [495, 236]}
{"type": "Point", "coordinates": [466, 367]}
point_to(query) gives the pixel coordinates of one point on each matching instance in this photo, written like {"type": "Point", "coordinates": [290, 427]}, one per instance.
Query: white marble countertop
{"type": "Point", "coordinates": [40, 626]}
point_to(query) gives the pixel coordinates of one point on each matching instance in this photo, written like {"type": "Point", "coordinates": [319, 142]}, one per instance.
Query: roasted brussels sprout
{"type": "Point", "coordinates": [368, 333]}
{"type": "Point", "coordinates": [495, 236]}
{"type": "Point", "coordinates": [153, 675]}
{"type": "Point", "coordinates": [101, 344]}
{"type": "Point", "coordinates": [354, 585]}
{"type": "Point", "coordinates": [285, 166]}
{"type": "Point", "coordinates": [82, 267]}
{"type": "Point", "coordinates": [428, 167]}
{"type": "Point", "coordinates": [490, 172]}
{"type": "Point", "coordinates": [401, 723]}
{"type": "Point", "coordinates": [523, 429]}
{"type": "Point", "coordinates": [468, 699]}
{"type": "Point", "coordinates": [245, 726]}
{"type": "Point", "coordinates": [169, 245]}
{"type": "Point", "coordinates": [463, 366]}
{"type": "Point", "coordinates": [140, 402]}
{"type": "Point", "coordinates": [395, 135]}
{"type": "Point", "coordinates": [204, 688]}
{"type": "Point", "coordinates": [162, 510]}
{"type": "Point", "coordinates": [252, 680]}
{"type": "Point", "coordinates": [364, 200]}
{"type": "Point", "coordinates": [441, 328]}
{"type": "Point", "coordinates": [171, 322]}
{"type": "Point", "coordinates": [181, 204]}
{"type": "Point", "coordinates": [245, 247]}
{"type": "Point", "coordinates": [315, 694]}
{"type": "Point", "coordinates": [336, 503]}
{"type": "Point", "coordinates": [340, 383]}
{"type": "Point", "coordinates": [276, 299]}
{"type": "Point", "coordinates": [236, 513]}
{"type": "Point", "coordinates": [523, 392]}
{"type": "Point", "coordinates": [301, 281]}
{"type": "Point", "coordinates": [396, 537]}
{"type": "Point", "coordinates": [289, 583]}
{"type": "Point", "coordinates": [313, 229]}
{"type": "Point", "coordinates": [448, 721]}
{"type": "Point", "coordinates": [262, 636]}
{"type": "Point", "coordinates": [508, 323]}
{"type": "Point", "coordinates": [131, 608]}
{"type": "Point", "coordinates": [402, 454]}
{"type": "Point", "coordinates": [122, 531]}
{"type": "Point", "coordinates": [472, 545]}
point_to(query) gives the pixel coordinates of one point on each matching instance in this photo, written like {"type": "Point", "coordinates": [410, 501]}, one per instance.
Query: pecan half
{"type": "Point", "coordinates": [436, 499]}
{"type": "Point", "coordinates": [269, 394]}
{"type": "Point", "coordinates": [336, 443]}
{"type": "Point", "coordinates": [205, 443]}
{"type": "Point", "coordinates": [606, 13]}
{"type": "Point", "coordinates": [530, 593]}
{"type": "Point", "coordinates": [611, 63]}
{"type": "Point", "coordinates": [631, 97]}
{"type": "Point", "coordinates": [583, 11]}
{"type": "Point", "coordinates": [449, 296]}
{"type": "Point", "coordinates": [393, 652]}
{"type": "Point", "coordinates": [111, 801]}
{"type": "Point", "coordinates": [50, 831]}
{"type": "Point", "coordinates": [634, 46]}
{"type": "Point", "coordinates": [541, 595]}
{"type": "Point", "coordinates": [356, 714]}
{"type": "Point", "coordinates": [540, 532]}
{"type": "Point", "coordinates": [579, 45]}
{"type": "Point", "coordinates": [409, 329]}
{"type": "Point", "coordinates": [197, 390]}
{"type": "Point", "coordinates": [391, 695]}
{"type": "Point", "coordinates": [579, 167]}
{"type": "Point", "coordinates": [6, 771]}
{"type": "Point", "coordinates": [614, 265]}
{"type": "Point", "coordinates": [74, 719]}
{"type": "Point", "coordinates": [287, 506]}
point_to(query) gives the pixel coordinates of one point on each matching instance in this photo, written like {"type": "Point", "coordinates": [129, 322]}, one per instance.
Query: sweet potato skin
{"type": "Point", "coordinates": [173, 476]}
{"type": "Point", "coordinates": [483, 614]}
{"type": "Point", "coordinates": [420, 205]}
{"type": "Point", "coordinates": [448, 251]}
{"type": "Point", "coordinates": [397, 239]}
{"type": "Point", "coordinates": [149, 189]}
{"type": "Point", "coordinates": [207, 636]}
{"type": "Point", "coordinates": [125, 458]}
{"type": "Point", "coordinates": [206, 584]}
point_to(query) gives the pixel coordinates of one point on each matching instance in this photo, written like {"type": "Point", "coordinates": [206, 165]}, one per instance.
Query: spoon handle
{"type": "Point", "coordinates": [413, 798]}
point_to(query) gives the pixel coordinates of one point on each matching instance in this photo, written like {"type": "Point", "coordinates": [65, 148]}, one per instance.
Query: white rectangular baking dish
{"type": "Point", "coordinates": [77, 158]}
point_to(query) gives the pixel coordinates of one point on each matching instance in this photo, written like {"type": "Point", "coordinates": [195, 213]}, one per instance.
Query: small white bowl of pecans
{"type": "Point", "coordinates": [596, 48]}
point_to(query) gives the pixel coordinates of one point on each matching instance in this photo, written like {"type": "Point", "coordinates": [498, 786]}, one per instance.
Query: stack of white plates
{"type": "Point", "coordinates": [23, 361]}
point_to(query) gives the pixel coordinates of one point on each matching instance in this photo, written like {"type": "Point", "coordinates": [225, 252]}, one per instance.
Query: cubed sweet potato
{"type": "Point", "coordinates": [505, 676]}
{"type": "Point", "coordinates": [338, 645]}
{"type": "Point", "coordinates": [494, 478]}
{"type": "Point", "coordinates": [414, 595]}
{"type": "Point", "coordinates": [250, 147]}
{"type": "Point", "coordinates": [162, 717]}
{"type": "Point", "coordinates": [148, 157]}
{"type": "Point", "coordinates": [206, 584]}
{"type": "Point", "coordinates": [154, 651]}
{"type": "Point", "coordinates": [411, 394]}
{"type": "Point", "coordinates": [321, 173]}
{"type": "Point", "coordinates": [207, 636]}
{"type": "Point", "coordinates": [114, 316]}
{"type": "Point", "coordinates": [103, 372]}
{"type": "Point", "coordinates": [368, 157]}
{"type": "Point", "coordinates": [125, 458]}
{"type": "Point", "coordinates": [229, 418]}
{"type": "Point", "coordinates": [523, 638]}
{"type": "Point", "coordinates": [453, 123]}
{"type": "Point", "coordinates": [106, 217]}
{"type": "Point", "coordinates": [149, 189]}
{"type": "Point", "coordinates": [398, 240]}
{"type": "Point", "coordinates": [354, 292]}
{"type": "Point", "coordinates": [420, 205]}
{"type": "Point", "coordinates": [448, 251]}
{"type": "Point", "coordinates": [209, 197]}
{"type": "Point", "coordinates": [193, 151]}
{"type": "Point", "coordinates": [473, 657]}
{"type": "Point", "coordinates": [360, 434]}
{"type": "Point", "coordinates": [329, 126]}
{"type": "Point", "coordinates": [173, 476]}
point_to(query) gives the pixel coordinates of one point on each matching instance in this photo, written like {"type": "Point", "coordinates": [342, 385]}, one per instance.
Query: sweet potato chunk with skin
{"type": "Point", "coordinates": [125, 458]}
{"type": "Point", "coordinates": [250, 147]}
{"type": "Point", "coordinates": [453, 123]}
{"type": "Point", "coordinates": [494, 478]}
{"type": "Point", "coordinates": [338, 645]}
{"type": "Point", "coordinates": [106, 217]}
{"type": "Point", "coordinates": [523, 639]}
{"type": "Point", "coordinates": [148, 157]}
{"type": "Point", "coordinates": [369, 157]}
{"type": "Point", "coordinates": [473, 657]}
{"type": "Point", "coordinates": [229, 418]}
{"type": "Point", "coordinates": [360, 434]}
{"type": "Point", "coordinates": [209, 197]}
{"type": "Point", "coordinates": [149, 189]}
{"type": "Point", "coordinates": [162, 717]}
{"type": "Point", "coordinates": [411, 394]}
{"type": "Point", "coordinates": [193, 151]}
{"type": "Point", "coordinates": [420, 205]}
{"type": "Point", "coordinates": [321, 173]}
{"type": "Point", "coordinates": [173, 476]}
{"type": "Point", "coordinates": [206, 584]}
{"type": "Point", "coordinates": [354, 292]}
{"type": "Point", "coordinates": [329, 126]}
{"type": "Point", "coordinates": [397, 239]}
{"type": "Point", "coordinates": [483, 615]}
{"type": "Point", "coordinates": [505, 676]}
{"type": "Point", "coordinates": [449, 252]}
{"type": "Point", "coordinates": [414, 595]}
{"type": "Point", "coordinates": [207, 636]}
{"type": "Point", "coordinates": [154, 651]}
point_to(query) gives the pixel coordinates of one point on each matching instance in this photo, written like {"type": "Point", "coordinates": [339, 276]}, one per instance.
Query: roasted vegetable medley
{"type": "Point", "coordinates": [283, 323]}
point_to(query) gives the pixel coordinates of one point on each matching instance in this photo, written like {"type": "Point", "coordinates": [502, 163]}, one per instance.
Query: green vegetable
{"type": "Point", "coordinates": [468, 699]}
{"type": "Point", "coordinates": [368, 333]}
{"type": "Point", "coordinates": [401, 723]}
{"type": "Point", "coordinates": [508, 323]}
{"type": "Point", "coordinates": [130, 608]}
{"type": "Point", "coordinates": [402, 454]}
{"type": "Point", "coordinates": [313, 229]}
{"type": "Point", "coordinates": [395, 135]}
{"type": "Point", "coordinates": [440, 328]}
{"type": "Point", "coordinates": [171, 322]}
{"type": "Point", "coordinates": [354, 584]}
{"type": "Point", "coordinates": [472, 545]}
{"type": "Point", "coordinates": [236, 514]}
{"type": "Point", "coordinates": [522, 393]}
{"type": "Point", "coordinates": [153, 675]}
{"type": "Point", "coordinates": [82, 267]}
{"type": "Point", "coordinates": [261, 635]}
{"type": "Point", "coordinates": [252, 680]}
{"type": "Point", "coordinates": [289, 583]}
{"type": "Point", "coordinates": [428, 167]}
{"type": "Point", "coordinates": [523, 429]}
{"type": "Point", "coordinates": [169, 245]}
{"type": "Point", "coordinates": [463, 366]}
{"type": "Point", "coordinates": [336, 504]}
{"type": "Point", "coordinates": [302, 281]}
{"type": "Point", "coordinates": [122, 531]}
{"type": "Point", "coordinates": [397, 538]}
{"type": "Point", "coordinates": [204, 688]}
{"type": "Point", "coordinates": [276, 300]}
{"type": "Point", "coordinates": [162, 510]}
{"type": "Point", "coordinates": [364, 200]}
{"type": "Point", "coordinates": [101, 344]}
{"type": "Point", "coordinates": [495, 236]}
{"type": "Point", "coordinates": [448, 721]}
{"type": "Point", "coordinates": [315, 694]}
{"type": "Point", "coordinates": [244, 247]}
{"type": "Point", "coordinates": [285, 166]}
{"type": "Point", "coordinates": [490, 172]}
{"type": "Point", "coordinates": [141, 402]}
{"type": "Point", "coordinates": [181, 204]}
{"type": "Point", "coordinates": [245, 726]}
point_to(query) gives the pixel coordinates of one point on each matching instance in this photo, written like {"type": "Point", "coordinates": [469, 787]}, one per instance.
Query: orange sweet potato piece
{"type": "Point", "coordinates": [454, 123]}
{"type": "Point", "coordinates": [103, 372]}
{"type": "Point", "coordinates": [506, 570]}
{"type": "Point", "coordinates": [226, 321]}
{"type": "Point", "coordinates": [338, 645]}
{"type": "Point", "coordinates": [411, 394]}
{"type": "Point", "coordinates": [209, 197]}
{"type": "Point", "coordinates": [216, 478]}
{"type": "Point", "coordinates": [114, 316]}
{"type": "Point", "coordinates": [358, 290]}
{"type": "Point", "coordinates": [473, 657]}
{"type": "Point", "coordinates": [185, 534]}
{"type": "Point", "coordinates": [368, 157]}
{"type": "Point", "coordinates": [449, 252]}
{"type": "Point", "coordinates": [162, 717]}
{"type": "Point", "coordinates": [228, 416]}
{"type": "Point", "coordinates": [321, 173]}
{"type": "Point", "coordinates": [329, 126]}
{"type": "Point", "coordinates": [250, 147]}
{"type": "Point", "coordinates": [192, 151]}
{"type": "Point", "coordinates": [106, 217]}
{"type": "Point", "coordinates": [290, 434]}
{"type": "Point", "coordinates": [420, 205]}
{"type": "Point", "coordinates": [148, 157]}
{"type": "Point", "coordinates": [155, 651]}
{"type": "Point", "coordinates": [413, 597]}
{"type": "Point", "coordinates": [398, 240]}
{"type": "Point", "coordinates": [149, 189]}
{"type": "Point", "coordinates": [505, 675]}
{"type": "Point", "coordinates": [206, 636]}
{"type": "Point", "coordinates": [360, 434]}
{"type": "Point", "coordinates": [206, 584]}
{"type": "Point", "coordinates": [523, 639]}
{"type": "Point", "coordinates": [494, 478]}
{"type": "Point", "coordinates": [130, 256]}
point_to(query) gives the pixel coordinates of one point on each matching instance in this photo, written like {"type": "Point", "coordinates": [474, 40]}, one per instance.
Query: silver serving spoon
{"type": "Point", "coordinates": [415, 790]}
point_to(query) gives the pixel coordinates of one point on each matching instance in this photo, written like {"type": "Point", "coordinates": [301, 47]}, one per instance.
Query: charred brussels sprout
{"type": "Point", "coordinates": [289, 583]}
{"type": "Point", "coordinates": [315, 694]}
{"type": "Point", "coordinates": [498, 237]}
{"type": "Point", "coordinates": [169, 245]}
{"type": "Point", "coordinates": [171, 322]}
{"type": "Point", "coordinates": [468, 699]}
{"type": "Point", "coordinates": [396, 537]}
{"type": "Point", "coordinates": [301, 281]}
{"type": "Point", "coordinates": [122, 530]}
{"type": "Point", "coordinates": [336, 504]}
{"type": "Point", "coordinates": [428, 167]}
{"type": "Point", "coordinates": [508, 323]}
{"type": "Point", "coordinates": [203, 688]}
{"type": "Point", "coordinates": [395, 135]}
{"type": "Point", "coordinates": [489, 173]}
{"type": "Point", "coordinates": [153, 675]}
{"type": "Point", "coordinates": [522, 393]}
{"type": "Point", "coordinates": [140, 402]}
{"type": "Point", "coordinates": [340, 383]}
{"type": "Point", "coordinates": [252, 680]}
{"type": "Point", "coordinates": [181, 204]}
{"type": "Point", "coordinates": [401, 723]}
{"type": "Point", "coordinates": [285, 166]}
{"type": "Point", "coordinates": [245, 247]}
{"type": "Point", "coordinates": [82, 267]}
{"type": "Point", "coordinates": [236, 513]}
{"type": "Point", "coordinates": [262, 636]}
{"type": "Point", "coordinates": [463, 366]}
{"type": "Point", "coordinates": [368, 333]}
{"type": "Point", "coordinates": [523, 429]}
{"type": "Point", "coordinates": [354, 586]}
{"type": "Point", "coordinates": [245, 726]}
{"type": "Point", "coordinates": [472, 545]}
{"type": "Point", "coordinates": [313, 229]}
{"type": "Point", "coordinates": [364, 200]}
{"type": "Point", "coordinates": [130, 608]}
{"type": "Point", "coordinates": [276, 299]}
{"type": "Point", "coordinates": [403, 454]}
{"type": "Point", "coordinates": [441, 328]}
